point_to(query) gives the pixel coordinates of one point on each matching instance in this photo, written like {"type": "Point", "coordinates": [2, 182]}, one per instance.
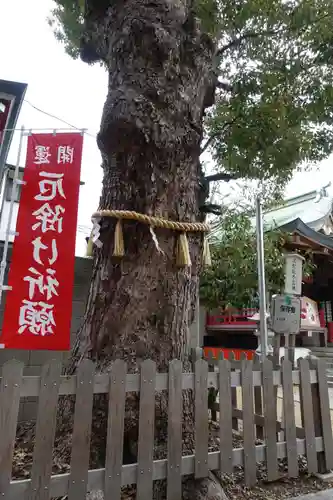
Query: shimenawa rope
{"type": "Point", "coordinates": [183, 254]}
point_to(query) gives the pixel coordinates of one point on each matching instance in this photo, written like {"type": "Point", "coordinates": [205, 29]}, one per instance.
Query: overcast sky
{"type": "Point", "coordinates": [74, 92]}
{"type": "Point", "coordinates": [57, 84]}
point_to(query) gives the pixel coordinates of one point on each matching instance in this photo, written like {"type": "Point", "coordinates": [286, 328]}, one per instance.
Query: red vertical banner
{"type": "Point", "coordinates": [38, 308]}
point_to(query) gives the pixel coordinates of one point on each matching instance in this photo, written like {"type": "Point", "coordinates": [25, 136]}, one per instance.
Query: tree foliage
{"type": "Point", "coordinates": [232, 281]}
{"type": "Point", "coordinates": [67, 20]}
{"type": "Point", "coordinates": [274, 95]}
{"type": "Point", "coordinates": [275, 104]}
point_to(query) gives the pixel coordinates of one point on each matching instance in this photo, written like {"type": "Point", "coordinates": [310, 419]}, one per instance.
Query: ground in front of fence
{"type": "Point", "coordinates": [286, 487]}
{"type": "Point", "coordinates": [233, 484]}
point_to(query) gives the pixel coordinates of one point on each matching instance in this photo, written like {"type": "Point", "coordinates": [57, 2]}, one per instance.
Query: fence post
{"type": "Point", "coordinates": [248, 423]}
{"type": "Point", "coordinates": [317, 417]}
{"type": "Point", "coordinates": [234, 403]}
{"type": "Point", "coordinates": [269, 420]}
{"type": "Point", "coordinates": [289, 418]}
{"type": "Point", "coordinates": [258, 399]}
{"type": "Point", "coordinates": [325, 413]}
{"type": "Point", "coordinates": [307, 415]}
{"type": "Point", "coordinates": [276, 366]}
{"type": "Point", "coordinates": [212, 392]}
{"type": "Point", "coordinates": [289, 348]}
{"type": "Point", "coordinates": [196, 353]}
{"type": "Point", "coordinates": [9, 407]}
{"type": "Point", "coordinates": [201, 419]}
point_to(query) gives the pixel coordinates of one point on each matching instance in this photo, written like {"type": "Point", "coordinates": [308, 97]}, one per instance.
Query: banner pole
{"type": "Point", "coordinates": [3, 263]}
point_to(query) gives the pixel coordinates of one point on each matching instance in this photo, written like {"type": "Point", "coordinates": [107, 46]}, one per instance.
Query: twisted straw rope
{"type": "Point", "coordinates": [154, 221]}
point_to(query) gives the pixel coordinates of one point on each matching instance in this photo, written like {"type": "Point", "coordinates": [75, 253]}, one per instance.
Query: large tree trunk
{"type": "Point", "coordinates": [160, 75]}
{"type": "Point", "coordinates": [161, 80]}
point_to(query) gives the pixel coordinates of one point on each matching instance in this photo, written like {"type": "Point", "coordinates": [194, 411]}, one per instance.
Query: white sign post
{"type": "Point", "coordinates": [286, 314]}
{"type": "Point", "coordinates": [286, 317]}
{"type": "Point", "coordinates": [293, 274]}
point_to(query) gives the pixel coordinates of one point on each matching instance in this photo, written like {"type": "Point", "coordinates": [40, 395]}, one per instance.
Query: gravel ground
{"type": "Point", "coordinates": [284, 488]}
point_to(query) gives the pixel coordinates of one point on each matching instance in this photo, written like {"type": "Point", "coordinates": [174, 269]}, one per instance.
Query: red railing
{"type": "Point", "coordinates": [240, 317]}
{"type": "Point", "coordinates": [214, 352]}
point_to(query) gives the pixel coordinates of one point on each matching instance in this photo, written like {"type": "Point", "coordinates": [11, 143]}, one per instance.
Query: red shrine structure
{"type": "Point", "coordinates": [309, 221]}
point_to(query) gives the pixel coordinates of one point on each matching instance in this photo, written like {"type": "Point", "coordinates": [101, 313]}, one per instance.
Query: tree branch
{"type": "Point", "coordinates": [221, 176]}
{"type": "Point", "coordinates": [216, 134]}
{"type": "Point", "coordinates": [209, 141]}
{"type": "Point", "coordinates": [224, 86]}
{"type": "Point", "coordinates": [237, 42]}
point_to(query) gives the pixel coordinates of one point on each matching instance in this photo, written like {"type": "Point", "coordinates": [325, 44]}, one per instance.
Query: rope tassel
{"type": "Point", "coordinates": [183, 257]}
{"type": "Point", "coordinates": [89, 250]}
{"type": "Point", "coordinates": [206, 256]}
{"type": "Point", "coordinates": [118, 250]}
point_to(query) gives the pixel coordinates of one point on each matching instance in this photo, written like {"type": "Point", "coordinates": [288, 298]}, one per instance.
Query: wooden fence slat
{"type": "Point", "coordinates": [276, 364]}
{"type": "Point", "coordinates": [317, 417]}
{"type": "Point", "coordinates": [174, 482]}
{"type": "Point", "coordinates": [248, 424]}
{"type": "Point", "coordinates": [221, 355]}
{"type": "Point", "coordinates": [201, 419]}
{"type": "Point", "coordinates": [258, 400]}
{"type": "Point", "coordinates": [276, 350]}
{"type": "Point", "coordinates": [209, 358]}
{"type": "Point", "coordinates": [212, 362]}
{"type": "Point", "coordinates": [325, 413]}
{"type": "Point", "coordinates": [270, 421]}
{"type": "Point", "coordinates": [290, 348]}
{"type": "Point", "coordinates": [234, 402]}
{"type": "Point", "coordinates": [225, 408]}
{"type": "Point", "coordinates": [115, 434]}
{"type": "Point", "coordinates": [9, 406]}
{"type": "Point", "coordinates": [45, 431]}
{"type": "Point", "coordinates": [232, 357]}
{"type": "Point", "coordinates": [144, 490]}
{"type": "Point", "coordinates": [196, 353]}
{"type": "Point", "coordinates": [307, 415]}
{"type": "Point", "coordinates": [82, 430]}
{"type": "Point", "coordinates": [289, 417]}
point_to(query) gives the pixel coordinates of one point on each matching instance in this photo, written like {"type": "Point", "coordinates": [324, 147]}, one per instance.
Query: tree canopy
{"type": "Point", "coordinates": [232, 281]}
{"type": "Point", "coordinates": [274, 95]}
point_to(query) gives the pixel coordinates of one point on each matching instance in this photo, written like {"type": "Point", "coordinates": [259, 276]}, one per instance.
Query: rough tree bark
{"type": "Point", "coordinates": [161, 80]}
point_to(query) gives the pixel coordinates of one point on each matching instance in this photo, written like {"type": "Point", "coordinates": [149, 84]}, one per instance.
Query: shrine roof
{"type": "Point", "coordinates": [314, 209]}
{"type": "Point", "coordinates": [309, 215]}
{"type": "Point", "coordinates": [298, 227]}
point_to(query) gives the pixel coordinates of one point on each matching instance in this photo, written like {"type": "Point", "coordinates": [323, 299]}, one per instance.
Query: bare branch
{"type": "Point", "coordinates": [209, 141]}
{"type": "Point", "coordinates": [221, 176]}
{"type": "Point", "coordinates": [216, 134]}
{"type": "Point", "coordinates": [252, 34]}
{"type": "Point", "coordinates": [224, 86]}
{"type": "Point", "coordinates": [238, 41]}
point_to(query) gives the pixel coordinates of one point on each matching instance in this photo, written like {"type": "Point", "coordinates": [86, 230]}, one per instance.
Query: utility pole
{"type": "Point", "coordinates": [261, 280]}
